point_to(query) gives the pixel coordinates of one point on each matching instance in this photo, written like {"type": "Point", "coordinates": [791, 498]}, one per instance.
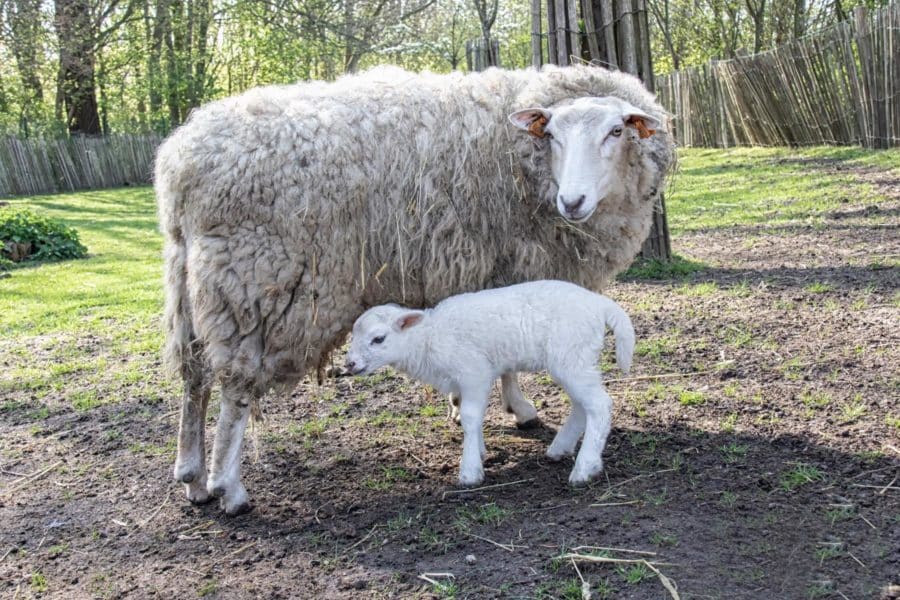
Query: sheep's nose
{"type": "Point", "coordinates": [349, 365]}
{"type": "Point", "coordinates": [572, 205]}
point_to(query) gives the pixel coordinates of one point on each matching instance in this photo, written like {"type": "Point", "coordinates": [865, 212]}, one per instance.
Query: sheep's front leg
{"type": "Point", "coordinates": [515, 402]}
{"type": "Point", "coordinates": [190, 464]}
{"type": "Point", "coordinates": [472, 407]}
{"type": "Point", "coordinates": [589, 393]}
{"type": "Point", "coordinates": [225, 476]}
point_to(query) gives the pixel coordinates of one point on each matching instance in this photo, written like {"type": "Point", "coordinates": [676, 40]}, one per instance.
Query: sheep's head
{"type": "Point", "coordinates": [589, 140]}
{"type": "Point", "coordinates": [379, 338]}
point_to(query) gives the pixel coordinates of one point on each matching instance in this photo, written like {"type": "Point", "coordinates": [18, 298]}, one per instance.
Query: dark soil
{"type": "Point", "coordinates": [755, 454]}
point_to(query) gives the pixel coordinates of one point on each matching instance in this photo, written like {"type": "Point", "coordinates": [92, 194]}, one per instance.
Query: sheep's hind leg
{"type": "Point", "coordinates": [225, 473]}
{"type": "Point", "coordinates": [472, 408]}
{"type": "Point", "coordinates": [516, 403]}
{"type": "Point", "coordinates": [568, 435]}
{"type": "Point", "coordinates": [190, 464]}
{"type": "Point", "coordinates": [588, 392]}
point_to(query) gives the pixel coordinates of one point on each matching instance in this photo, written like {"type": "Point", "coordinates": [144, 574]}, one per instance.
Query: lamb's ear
{"type": "Point", "coordinates": [644, 123]}
{"type": "Point", "coordinates": [531, 120]}
{"type": "Point", "coordinates": [408, 320]}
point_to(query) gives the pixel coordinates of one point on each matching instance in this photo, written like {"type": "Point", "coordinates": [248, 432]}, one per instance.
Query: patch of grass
{"type": "Point", "coordinates": [691, 397]}
{"type": "Point", "coordinates": [828, 552]}
{"type": "Point", "coordinates": [678, 268]}
{"type": "Point", "coordinates": [737, 336]}
{"type": "Point", "coordinates": [697, 290]}
{"type": "Point", "coordinates": [818, 287]}
{"type": "Point", "coordinates": [734, 452]}
{"type": "Point", "coordinates": [716, 188]}
{"type": "Point", "coordinates": [728, 500]}
{"type": "Point", "coordinates": [445, 589]}
{"type": "Point", "coordinates": [431, 410]}
{"type": "Point", "coordinates": [388, 477]}
{"type": "Point", "coordinates": [729, 422]}
{"type": "Point", "coordinates": [38, 582]}
{"type": "Point", "coordinates": [485, 514]}
{"type": "Point", "coordinates": [892, 421]}
{"type": "Point", "coordinates": [208, 589]}
{"type": "Point", "coordinates": [839, 513]}
{"type": "Point", "coordinates": [815, 399]}
{"type": "Point", "coordinates": [853, 410]}
{"type": "Point", "coordinates": [801, 474]}
{"type": "Point", "coordinates": [657, 347]}
{"type": "Point", "coordinates": [664, 539]}
{"type": "Point", "coordinates": [635, 574]}
{"type": "Point", "coordinates": [432, 541]}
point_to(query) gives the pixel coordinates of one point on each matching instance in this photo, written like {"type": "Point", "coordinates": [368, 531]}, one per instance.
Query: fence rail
{"type": "Point", "coordinates": [39, 166]}
{"type": "Point", "coordinates": [838, 86]}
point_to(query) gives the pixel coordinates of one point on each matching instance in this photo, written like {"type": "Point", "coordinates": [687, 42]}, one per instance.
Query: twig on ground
{"type": "Point", "coordinates": [189, 570]}
{"type": "Point", "coordinates": [585, 586]}
{"type": "Point", "coordinates": [877, 487]}
{"type": "Point", "coordinates": [667, 583]}
{"type": "Point", "coordinates": [7, 553]}
{"type": "Point", "coordinates": [869, 522]}
{"type": "Point", "coordinates": [219, 561]}
{"type": "Point", "coordinates": [580, 548]}
{"type": "Point", "coordinates": [417, 459]}
{"type": "Point", "coordinates": [361, 540]}
{"type": "Point", "coordinates": [660, 376]}
{"type": "Point", "coordinates": [885, 488]}
{"type": "Point", "coordinates": [858, 561]}
{"type": "Point", "coordinates": [156, 512]}
{"type": "Point", "coordinates": [507, 547]}
{"type": "Point", "coordinates": [429, 577]}
{"type": "Point", "coordinates": [608, 559]}
{"type": "Point", "coordinates": [5, 472]}
{"type": "Point", "coordinates": [20, 483]}
{"type": "Point", "coordinates": [621, 483]}
{"type": "Point", "coordinates": [485, 487]}
{"type": "Point", "coordinates": [615, 503]}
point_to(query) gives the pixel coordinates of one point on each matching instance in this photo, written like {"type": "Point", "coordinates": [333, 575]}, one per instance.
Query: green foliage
{"type": "Point", "coordinates": [678, 268]}
{"type": "Point", "coordinates": [49, 240]}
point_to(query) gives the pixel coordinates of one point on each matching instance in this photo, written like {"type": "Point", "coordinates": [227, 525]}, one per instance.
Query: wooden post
{"type": "Point", "coordinates": [551, 31]}
{"type": "Point", "coordinates": [608, 33]}
{"type": "Point", "coordinates": [562, 50]}
{"type": "Point", "coordinates": [587, 13]}
{"type": "Point", "coordinates": [574, 32]}
{"type": "Point", "coordinates": [536, 45]}
{"type": "Point", "coordinates": [626, 37]}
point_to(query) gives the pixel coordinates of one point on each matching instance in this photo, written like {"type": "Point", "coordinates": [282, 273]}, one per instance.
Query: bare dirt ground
{"type": "Point", "coordinates": [755, 454]}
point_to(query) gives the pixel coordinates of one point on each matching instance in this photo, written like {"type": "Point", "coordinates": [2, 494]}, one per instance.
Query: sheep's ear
{"type": "Point", "coordinates": [532, 120]}
{"type": "Point", "coordinates": [408, 320]}
{"type": "Point", "coordinates": [644, 123]}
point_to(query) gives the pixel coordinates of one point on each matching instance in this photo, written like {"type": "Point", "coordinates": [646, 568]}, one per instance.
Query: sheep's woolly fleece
{"type": "Point", "coordinates": [288, 210]}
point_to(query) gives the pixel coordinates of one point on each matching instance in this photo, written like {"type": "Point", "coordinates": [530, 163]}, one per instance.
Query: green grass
{"type": "Point", "coordinates": [715, 188]}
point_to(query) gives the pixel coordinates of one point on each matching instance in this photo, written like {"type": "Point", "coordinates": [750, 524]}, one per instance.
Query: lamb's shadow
{"type": "Point", "coordinates": [728, 508]}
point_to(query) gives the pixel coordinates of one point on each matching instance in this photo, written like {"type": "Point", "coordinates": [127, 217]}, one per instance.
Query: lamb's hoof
{"type": "Point", "coordinates": [236, 511]}
{"type": "Point", "coordinates": [199, 497]}
{"type": "Point", "coordinates": [558, 456]}
{"type": "Point", "coordinates": [470, 482]}
{"type": "Point", "coordinates": [185, 473]}
{"type": "Point", "coordinates": [530, 424]}
{"type": "Point", "coordinates": [218, 491]}
{"type": "Point", "coordinates": [583, 479]}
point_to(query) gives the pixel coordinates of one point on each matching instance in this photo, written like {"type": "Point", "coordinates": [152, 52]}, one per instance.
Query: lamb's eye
{"type": "Point", "coordinates": [617, 131]}
{"type": "Point", "coordinates": [378, 340]}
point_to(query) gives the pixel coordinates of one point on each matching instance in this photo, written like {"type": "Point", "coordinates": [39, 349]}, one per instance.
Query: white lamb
{"type": "Point", "coordinates": [466, 342]}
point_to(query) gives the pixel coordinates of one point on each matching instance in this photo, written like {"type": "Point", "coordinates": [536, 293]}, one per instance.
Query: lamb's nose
{"type": "Point", "coordinates": [572, 206]}
{"type": "Point", "coordinates": [349, 365]}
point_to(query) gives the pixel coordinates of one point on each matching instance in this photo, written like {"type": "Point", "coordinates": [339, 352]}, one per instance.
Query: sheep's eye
{"type": "Point", "coordinates": [378, 340]}
{"type": "Point", "coordinates": [617, 131]}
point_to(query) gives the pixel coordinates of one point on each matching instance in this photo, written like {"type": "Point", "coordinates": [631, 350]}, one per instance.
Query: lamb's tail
{"type": "Point", "coordinates": [620, 323]}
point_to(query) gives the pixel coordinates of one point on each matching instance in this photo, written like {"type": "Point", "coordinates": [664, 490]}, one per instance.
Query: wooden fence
{"type": "Point", "coordinates": [838, 86]}
{"type": "Point", "coordinates": [38, 166]}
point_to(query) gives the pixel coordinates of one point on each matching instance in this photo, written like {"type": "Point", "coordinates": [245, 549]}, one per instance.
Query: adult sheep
{"type": "Point", "coordinates": [287, 211]}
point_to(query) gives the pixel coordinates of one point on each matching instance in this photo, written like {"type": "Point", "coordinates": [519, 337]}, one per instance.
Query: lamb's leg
{"type": "Point", "coordinates": [225, 473]}
{"type": "Point", "coordinates": [515, 402]}
{"type": "Point", "coordinates": [588, 392]}
{"type": "Point", "coordinates": [190, 465]}
{"type": "Point", "coordinates": [454, 408]}
{"type": "Point", "coordinates": [568, 435]}
{"type": "Point", "coordinates": [472, 408]}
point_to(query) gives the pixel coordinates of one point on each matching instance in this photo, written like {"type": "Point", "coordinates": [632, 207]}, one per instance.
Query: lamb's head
{"type": "Point", "coordinates": [589, 148]}
{"type": "Point", "coordinates": [381, 337]}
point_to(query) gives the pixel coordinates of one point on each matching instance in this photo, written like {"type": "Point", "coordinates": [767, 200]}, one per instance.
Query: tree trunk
{"type": "Point", "coordinates": [76, 60]}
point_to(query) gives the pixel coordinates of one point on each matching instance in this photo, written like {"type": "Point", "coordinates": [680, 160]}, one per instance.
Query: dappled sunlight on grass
{"type": "Point", "coordinates": [724, 187]}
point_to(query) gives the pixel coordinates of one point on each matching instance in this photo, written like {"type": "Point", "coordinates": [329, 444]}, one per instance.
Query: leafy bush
{"type": "Point", "coordinates": [25, 235]}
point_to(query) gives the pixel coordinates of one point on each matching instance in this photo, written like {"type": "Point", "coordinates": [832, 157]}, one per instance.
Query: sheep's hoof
{"type": "Point", "coordinates": [579, 481]}
{"type": "Point", "coordinates": [558, 456]}
{"type": "Point", "coordinates": [218, 491]}
{"type": "Point", "coordinates": [199, 497]}
{"type": "Point", "coordinates": [530, 424]}
{"type": "Point", "coordinates": [470, 482]}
